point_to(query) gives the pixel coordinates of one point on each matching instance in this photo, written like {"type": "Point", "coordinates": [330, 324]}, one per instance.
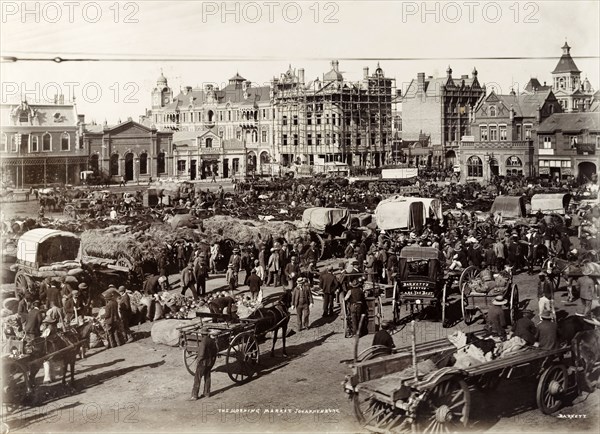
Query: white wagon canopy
{"type": "Point", "coordinates": [556, 203]}
{"type": "Point", "coordinates": [401, 212]}
{"type": "Point", "coordinates": [40, 247]}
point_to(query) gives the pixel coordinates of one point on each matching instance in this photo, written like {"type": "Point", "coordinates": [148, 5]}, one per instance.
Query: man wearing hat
{"type": "Point", "coordinates": [525, 328]}
{"type": "Point", "coordinates": [111, 318]}
{"type": "Point", "coordinates": [73, 306]}
{"type": "Point", "coordinates": [53, 295]}
{"type": "Point", "coordinates": [356, 299]}
{"type": "Point", "coordinates": [218, 304]}
{"type": "Point", "coordinates": [274, 268]}
{"type": "Point", "coordinates": [254, 283]}
{"type": "Point", "coordinates": [383, 336]}
{"type": "Point", "coordinates": [311, 255]}
{"type": "Point", "coordinates": [496, 320]}
{"type": "Point", "coordinates": [547, 331]}
{"type": "Point", "coordinates": [236, 261]}
{"type": "Point", "coordinates": [200, 273]}
{"type": "Point", "coordinates": [188, 280]}
{"type": "Point", "coordinates": [33, 322]}
{"type": "Point", "coordinates": [587, 289]}
{"type": "Point", "coordinates": [349, 252]}
{"type": "Point", "coordinates": [545, 286]}
{"type": "Point", "coordinates": [292, 272]}
{"type": "Point", "coordinates": [328, 284]}
{"type": "Point", "coordinates": [125, 312]}
{"type": "Point", "coordinates": [206, 358]}
{"type": "Point", "coordinates": [302, 301]}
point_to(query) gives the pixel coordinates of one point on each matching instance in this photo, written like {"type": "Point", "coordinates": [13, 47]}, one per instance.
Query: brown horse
{"type": "Point", "coordinates": [274, 318]}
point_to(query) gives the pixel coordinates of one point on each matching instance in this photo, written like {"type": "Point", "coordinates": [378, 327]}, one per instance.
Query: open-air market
{"type": "Point", "coordinates": [346, 253]}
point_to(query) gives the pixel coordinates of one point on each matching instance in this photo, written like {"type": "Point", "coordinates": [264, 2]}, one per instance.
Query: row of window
{"type": "Point", "coordinates": [493, 133]}
{"type": "Point", "coordinates": [32, 143]}
{"type": "Point", "coordinates": [329, 139]}
{"type": "Point", "coordinates": [229, 115]}
{"type": "Point", "coordinates": [114, 168]}
{"type": "Point", "coordinates": [555, 163]}
{"type": "Point", "coordinates": [475, 166]}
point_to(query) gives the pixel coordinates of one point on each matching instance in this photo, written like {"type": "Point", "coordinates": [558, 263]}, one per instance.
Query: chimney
{"type": "Point", "coordinates": [301, 75]}
{"type": "Point", "coordinates": [398, 92]}
{"type": "Point", "coordinates": [365, 72]}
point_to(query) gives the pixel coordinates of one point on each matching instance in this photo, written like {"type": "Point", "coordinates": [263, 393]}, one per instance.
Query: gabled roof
{"type": "Point", "coordinates": [231, 92]}
{"type": "Point", "coordinates": [524, 105]}
{"type": "Point", "coordinates": [570, 122]}
{"type": "Point", "coordinates": [129, 124]}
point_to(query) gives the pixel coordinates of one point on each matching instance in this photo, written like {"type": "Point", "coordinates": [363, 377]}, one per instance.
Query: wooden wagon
{"type": "Point", "coordinates": [476, 300]}
{"type": "Point", "coordinates": [389, 398]}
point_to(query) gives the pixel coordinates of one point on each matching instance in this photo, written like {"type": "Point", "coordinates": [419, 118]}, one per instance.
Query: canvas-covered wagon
{"type": "Point", "coordinates": [406, 213]}
{"type": "Point", "coordinates": [325, 227]}
{"type": "Point", "coordinates": [550, 203]}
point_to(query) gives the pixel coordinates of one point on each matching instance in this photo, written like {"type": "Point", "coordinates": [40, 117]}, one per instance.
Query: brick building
{"type": "Point", "coordinates": [228, 131]}
{"type": "Point", "coordinates": [503, 135]}
{"type": "Point", "coordinates": [331, 119]}
{"type": "Point", "coordinates": [131, 150]}
{"type": "Point", "coordinates": [440, 108]}
{"type": "Point", "coordinates": [568, 144]}
{"type": "Point", "coordinates": [41, 143]}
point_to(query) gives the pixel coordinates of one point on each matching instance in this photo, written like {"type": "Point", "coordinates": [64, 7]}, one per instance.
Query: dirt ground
{"type": "Point", "coordinates": [144, 387]}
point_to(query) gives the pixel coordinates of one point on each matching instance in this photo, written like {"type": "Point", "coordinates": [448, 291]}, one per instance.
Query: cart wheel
{"type": "Point", "coordinates": [514, 303]}
{"type": "Point", "coordinates": [69, 211]}
{"type": "Point", "coordinates": [587, 364]}
{"type": "Point", "coordinates": [468, 274]}
{"type": "Point", "coordinates": [190, 360]}
{"type": "Point", "coordinates": [467, 312]}
{"type": "Point", "coordinates": [369, 410]}
{"type": "Point", "coordinates": [551, 389]}
{"type": "Point", "coordinates": [124, 261]}
{"type": "Point", "coordinates": [16, 389]}
{"type": "Point", "coordinates": [242, 357]}
{"type": "Point", "coordinates": [320, 243]}
{"type": "Point", "coordinates": [23, 283]}
{"type": "Point", "coordinates": [445, 408]}
{"type": "Point", "coordinates": [482, 231]}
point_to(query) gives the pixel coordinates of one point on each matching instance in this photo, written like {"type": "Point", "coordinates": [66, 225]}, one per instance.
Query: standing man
{"type": "Point", "coordinates": [496, 320]}
{"type": "Point", "coordinates": [545, 286]}
{"type": "Point", "coordinates": [273, 268]}
{"type": "Point", "coordinates": [254, 283]}
{"type": "Point", "coordinates": [547, 331]}
{"type": "Point", "coordinates": [73, 307]}
{"type": "Point", "coordinates": [188, 281]}
{"type": "Point", "coordinates": [53, 296]}
{"type": "Point", "coordinates": [207, 355]}
{"type": "Point", "coordinates": [236, 261]}
{"type": "Point", "coordinates": [111, 320]}
{"type": "Point", "coordinates": [125, 312]}
{"type": "Point", "coordinates": [328, 284]}
{"type": "Point", "coordinates": [214, 256]}
{"type": "Point", "coordinates": [357, 301]}
{"type": "Point", "coordinates": [33, 321]}
{"type": "Point", "coordinates": [200, 274]}
{"type": "Point", "coordinates": [349, 252]}
{"type": "Point", "coordinates": [292, 272]}
{"type": "Point", "coordinates": [302, 301]}
{"type": "Point", "coordinates": [587, 289]}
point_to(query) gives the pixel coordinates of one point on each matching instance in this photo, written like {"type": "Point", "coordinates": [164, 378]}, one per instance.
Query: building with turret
{"type": "Point", "coordinates": [573, 94]}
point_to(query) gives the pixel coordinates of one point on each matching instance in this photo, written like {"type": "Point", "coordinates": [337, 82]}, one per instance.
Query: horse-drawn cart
{"type": "Point", "coordinates": [477, 295]}
{"type": "Point", "coordinates": [237, 341]}
{"type": "Point", "coordinates": [417, 389]}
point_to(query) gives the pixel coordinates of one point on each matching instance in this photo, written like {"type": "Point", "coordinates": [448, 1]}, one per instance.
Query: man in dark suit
{"type": "Point", "coordinates": [111, 321]}
{"type": "Point", "coordinates": [53, 295]}
{"type": "Point", "coordinates": [200, 273]}
{"type": "Point", "coordinates": [33, 322]}
{"type": "Point", "coordinates": [207, 355]}
{"type": "Point", "coordinates": [254, 283]}
{"type": "Point", "coordinates": [328, 284]}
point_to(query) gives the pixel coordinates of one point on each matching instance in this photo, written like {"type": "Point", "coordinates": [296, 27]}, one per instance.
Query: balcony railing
{"type": "Point", "coordinates": [504, 144]}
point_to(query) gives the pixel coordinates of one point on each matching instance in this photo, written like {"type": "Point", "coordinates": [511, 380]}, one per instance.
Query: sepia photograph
{"type": "Point", "coordinates": [300, 216]}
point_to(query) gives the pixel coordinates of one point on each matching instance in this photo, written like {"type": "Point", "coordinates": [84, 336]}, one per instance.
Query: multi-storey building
{"type": "Point", "coordinates": [573, 94]}
{"type": "Point", "coordinates": [440, 108]}
{"type": "Point", "coordinates": [130, 150]}
{"type": "Point", "coordinates": [41, 143]}
{"type": "Point", "coordinates": [568, 144]}
{"type": "Point", "coordinates": [225, 131]}
{"type": "Point", "coordinates": [503, 131]}
{"type": "Point", "coordinates": [331, 119]}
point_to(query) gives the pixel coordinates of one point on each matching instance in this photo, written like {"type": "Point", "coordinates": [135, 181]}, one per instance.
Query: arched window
{"type": "Point", "coordinates": [65, 141]}
{"type": "Point", "coordinates": [474, 166]}
{"type": "Point", "coordinates": [493, 111]}
{"type": "Point", "coordinates": [3, 142]}
{"type": "Point", "coordinates": [160, 163]}
{"type": "Point", "coordinates": [143, 163]}
{"type": "Point", "coordinates": [209, 142]}
{"type": "Point", "coordinates": [114, 165]}
{"type": "Point", "coordinates": [211, 115]}
{"type": "Point", "coordinates": [254, 136]}
{"type": "Point", "coordinates": [514, 161]}
{"type": "Point", "coordinates": [46, 142]}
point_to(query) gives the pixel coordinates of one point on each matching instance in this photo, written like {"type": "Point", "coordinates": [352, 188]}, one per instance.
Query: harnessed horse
{"type": "Point", "coordinates": [557, 267]}
{"type": "Point", "coordinates": [274, 318]}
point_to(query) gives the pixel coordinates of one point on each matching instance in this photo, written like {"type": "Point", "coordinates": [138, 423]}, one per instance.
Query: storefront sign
{"type": "Point", "coordinates": [566, 171]}
{"type": "Point", "coordinates": [544, 171]}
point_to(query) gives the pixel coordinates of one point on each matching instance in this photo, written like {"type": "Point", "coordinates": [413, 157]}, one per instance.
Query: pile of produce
{"type": "Point", "coordinates": [497, 286]}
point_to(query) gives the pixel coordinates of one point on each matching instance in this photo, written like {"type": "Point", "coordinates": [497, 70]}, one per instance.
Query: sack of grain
{"type": "Point", "coordinates": [75, 271]}
{"type": "Point", "coordinates": [166, 333]}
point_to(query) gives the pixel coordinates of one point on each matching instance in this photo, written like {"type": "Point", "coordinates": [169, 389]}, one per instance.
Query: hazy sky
{"type": "Point", "coordinates": [259, 40]}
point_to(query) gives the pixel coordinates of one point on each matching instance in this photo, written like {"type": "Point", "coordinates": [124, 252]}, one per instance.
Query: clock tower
{"type": "Point", "coordinates": [162, 93]}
